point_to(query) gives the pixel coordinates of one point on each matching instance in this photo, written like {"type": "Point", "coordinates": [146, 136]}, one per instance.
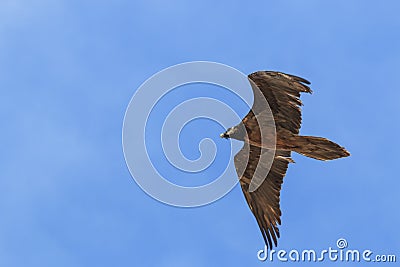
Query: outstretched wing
{"type": "Point", "coordinates": [263, 202]}
{"type": "Point", "coordinates": [282, 91]}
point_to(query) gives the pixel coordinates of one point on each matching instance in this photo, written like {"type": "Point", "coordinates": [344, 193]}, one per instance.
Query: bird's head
{"type": "Point", "coordinates": [235, 132]}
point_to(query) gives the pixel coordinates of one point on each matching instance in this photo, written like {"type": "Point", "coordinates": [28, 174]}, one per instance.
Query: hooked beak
{"type": "Point", "coordinates": [223, 135]}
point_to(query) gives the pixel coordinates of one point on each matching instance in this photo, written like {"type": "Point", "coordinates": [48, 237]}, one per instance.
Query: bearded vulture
{"type": "Point", "coordinates": [282, 93]}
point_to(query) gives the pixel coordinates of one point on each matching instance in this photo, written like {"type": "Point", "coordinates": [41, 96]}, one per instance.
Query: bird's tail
{"type": "Point", "coordinates": [318, 148]}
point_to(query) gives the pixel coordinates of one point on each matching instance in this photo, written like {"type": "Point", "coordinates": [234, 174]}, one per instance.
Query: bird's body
{"type": "Point", "coordinates": [282, 93]}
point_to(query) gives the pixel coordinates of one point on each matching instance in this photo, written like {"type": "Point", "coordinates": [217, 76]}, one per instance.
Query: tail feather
{"type": "Point", "coordinates": [318, 148]}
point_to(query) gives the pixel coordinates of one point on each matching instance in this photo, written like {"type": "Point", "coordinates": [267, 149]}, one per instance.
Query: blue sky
{"type": "Point", "coordinates": [69, 68]}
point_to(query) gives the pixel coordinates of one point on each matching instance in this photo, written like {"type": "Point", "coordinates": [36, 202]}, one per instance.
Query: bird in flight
{"type": "Point", "coordinates": [282, 94]}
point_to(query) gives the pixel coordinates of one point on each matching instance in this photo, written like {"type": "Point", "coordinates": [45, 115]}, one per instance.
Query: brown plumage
{"type": "Point", "coordinates": [282, 92]}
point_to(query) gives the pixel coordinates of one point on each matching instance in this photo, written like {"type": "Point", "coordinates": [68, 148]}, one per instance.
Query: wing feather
{"type": "Point", "coordinates": [263, 202]}
{"type": "Point", "coordinates": [282, 91]}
